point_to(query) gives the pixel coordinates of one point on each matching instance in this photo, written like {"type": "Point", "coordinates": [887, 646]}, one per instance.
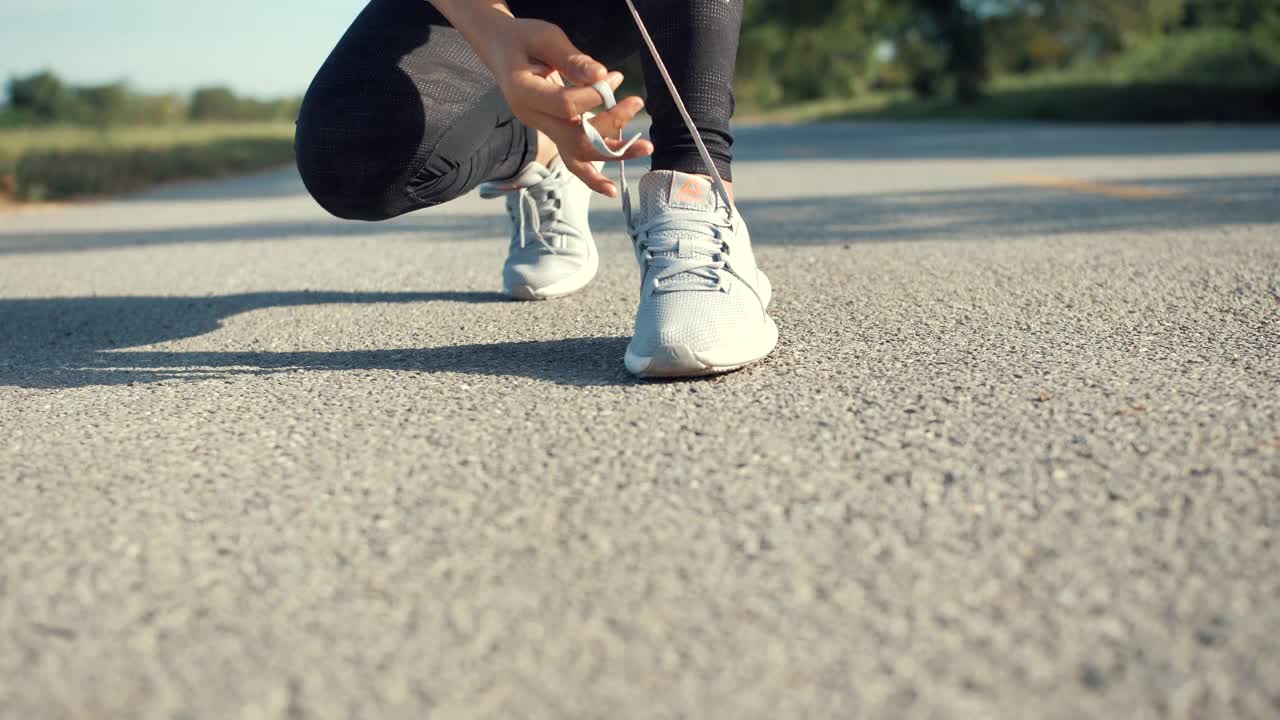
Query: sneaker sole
{"type": "Point", "coordinates": [674, 361]}
{"type": "Point", "coordinates": [560, 288]}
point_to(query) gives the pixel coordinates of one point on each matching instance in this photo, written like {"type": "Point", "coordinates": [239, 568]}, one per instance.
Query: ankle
{"type": "Point", "coordinates": [547, 150]}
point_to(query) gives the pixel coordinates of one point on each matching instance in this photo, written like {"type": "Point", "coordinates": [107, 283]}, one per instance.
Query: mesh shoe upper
{"type": "Point", "coordinates": [700, 287]}
{"type": "Point", "coordinates": [703, 301]}
{"type": "Point", "coordinates": [551, 239]}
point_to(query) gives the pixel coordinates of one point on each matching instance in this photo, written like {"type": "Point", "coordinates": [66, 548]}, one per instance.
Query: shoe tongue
{"type": "Point", "coordinates": [662, 189]}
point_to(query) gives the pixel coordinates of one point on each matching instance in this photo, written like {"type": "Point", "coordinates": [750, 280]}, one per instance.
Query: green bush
{"type": "Point", "coordinates": [1213, 56]}
{"type": "Point", "coordinates": [44, 99]}
{"type": "Point", "coordinates": [59, 174]}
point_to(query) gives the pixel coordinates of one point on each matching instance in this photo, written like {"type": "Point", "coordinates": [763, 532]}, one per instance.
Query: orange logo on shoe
{"type": "Point", "coordinates": [693, 192]}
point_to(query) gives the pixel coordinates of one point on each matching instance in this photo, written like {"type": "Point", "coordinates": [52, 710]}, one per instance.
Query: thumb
{"type": "Point", "coordinates": [554, 48]}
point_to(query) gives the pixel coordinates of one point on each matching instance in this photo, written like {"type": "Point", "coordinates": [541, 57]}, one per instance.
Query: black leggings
{"type": "Point", "coordinates": [404, 116]}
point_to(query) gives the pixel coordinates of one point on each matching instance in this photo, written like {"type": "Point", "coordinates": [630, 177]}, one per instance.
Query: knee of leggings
{"type": "Point", "coordinates": [342, 181]}
{"type": "Point", "coordinates": [349, 206]}
{"type": "Point", "coordinates": [330, 166]}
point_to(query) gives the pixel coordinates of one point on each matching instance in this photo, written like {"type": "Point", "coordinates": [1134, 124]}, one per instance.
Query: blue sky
{"type": "Point", "coordinates": [261, 47]}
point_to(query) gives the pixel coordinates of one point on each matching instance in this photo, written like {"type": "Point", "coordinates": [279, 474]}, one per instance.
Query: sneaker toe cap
{"type": "Point", "coordinates": [699, 321]}
{"type": "Point", "coordinates": [542, 272]}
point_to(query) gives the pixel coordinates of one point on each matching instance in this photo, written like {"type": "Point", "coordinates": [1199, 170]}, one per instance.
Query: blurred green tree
{"type": "Point", "coordinates": [43, 97]}
{"type": "Point", "coordinates": [805, 49]}
{"type": "Point", "coordinates": [105, 105]}
{"type": "Point", "coordinates": [214, 103]}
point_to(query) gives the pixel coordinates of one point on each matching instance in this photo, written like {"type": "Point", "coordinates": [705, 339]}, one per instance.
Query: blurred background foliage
{"type": "Point", "coordinates": [44, 99]}
{"type": "Point", "coordinates": [1075, 60]}
{"type": "Point", "coordinates": [797, 51]}
{"type": "Point", "coordinates": [804, 50]}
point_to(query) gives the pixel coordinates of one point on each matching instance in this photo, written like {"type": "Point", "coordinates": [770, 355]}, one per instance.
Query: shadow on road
{"type": "Point", "coordinates": [586, 361]}
{"type": "Point", "coordinates": [1012, 212]}
{"type": "Point", "coordinates": [79, 324]}
{"type": "Point", "coordinates": [490, 227]}
{"type": "Point", "coordinates": [71, 342]}
{"type": "Point", "coordinates": [1004, 211]}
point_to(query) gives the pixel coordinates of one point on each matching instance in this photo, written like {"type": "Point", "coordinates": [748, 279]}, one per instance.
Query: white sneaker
{"type": "Point", "coordinates": [703, 301]}
{"type": "Point", "coordinates": [552, 253]}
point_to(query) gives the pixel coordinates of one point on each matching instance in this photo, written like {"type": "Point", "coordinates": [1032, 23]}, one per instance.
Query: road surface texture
{"type": "Point", "coordinates": [1017, 455]}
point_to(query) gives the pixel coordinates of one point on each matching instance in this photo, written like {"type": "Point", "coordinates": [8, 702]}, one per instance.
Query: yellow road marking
{"type": "Point", "coordinates": [1131, 192]}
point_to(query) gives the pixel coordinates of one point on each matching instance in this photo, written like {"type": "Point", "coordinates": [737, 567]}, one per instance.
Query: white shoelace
{"type": "Point", "coordinates": [695, 259]}
{"type": "Point", "coordinates": [529, 209]}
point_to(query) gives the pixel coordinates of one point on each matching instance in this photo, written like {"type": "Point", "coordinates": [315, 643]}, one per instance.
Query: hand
{"type": "Point", "coordinates": [528, 58]}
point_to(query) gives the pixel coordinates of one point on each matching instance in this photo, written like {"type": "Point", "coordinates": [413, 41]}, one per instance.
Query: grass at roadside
{"type": "Point", "coordinates": [1063, 98]}
{"type": "Point", "coordinates": [65, 163]}
{"type": "Point", "coordinates": [62, 163]}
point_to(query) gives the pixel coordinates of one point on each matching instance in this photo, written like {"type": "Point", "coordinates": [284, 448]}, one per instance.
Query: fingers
{"type": "Point", "coordinates": [572, 140]}
{"type": "Point", "coordinates": [547, 96]}
{"type": "Point", "coordinates": [585, 98]}
{"type": "Point", "coordinates": [538, 98]}
{"type": "Point", "coordinates": [589, 175]}
{"type": "Point", "coordinates": [580, 158]}
{"type": "Point", "coordinates": [640, 148]}
{"type": "Point", "coordinates": [553, 47]}
{"type": "Point", "coordinates": [612, 122]}
{"type": "Point", "coordinates": [577, 152]}
{"type": "Point", "coordinates": [579, 155]}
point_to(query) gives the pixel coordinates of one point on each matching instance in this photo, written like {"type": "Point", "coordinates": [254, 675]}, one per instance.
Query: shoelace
{"type": "Point", "coordinates": [704, 256]}
{"type": "Point", "coordinates": [530, 209]}
{"type": "Point", "coordinates": [653, 243]}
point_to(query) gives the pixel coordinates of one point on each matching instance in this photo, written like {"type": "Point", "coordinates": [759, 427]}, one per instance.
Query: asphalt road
{"type": "Point", "coordinates": [1017, 455]}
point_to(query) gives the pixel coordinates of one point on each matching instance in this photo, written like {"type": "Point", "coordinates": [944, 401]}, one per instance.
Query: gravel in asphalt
{"type": "Point", "coordinates": [1017, 455]}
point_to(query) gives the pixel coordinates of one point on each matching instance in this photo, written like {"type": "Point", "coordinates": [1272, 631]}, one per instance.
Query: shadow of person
{"type": "Point", "coordinates": [582, 361]}
{"type": "Point", "coordinates": [74, 325]}
{"type": "Point", "coordinates": [77, 342]}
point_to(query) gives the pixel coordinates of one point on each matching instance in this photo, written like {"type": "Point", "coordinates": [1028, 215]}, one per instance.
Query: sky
{"type": "Point", "coordinates": [258, 47]}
